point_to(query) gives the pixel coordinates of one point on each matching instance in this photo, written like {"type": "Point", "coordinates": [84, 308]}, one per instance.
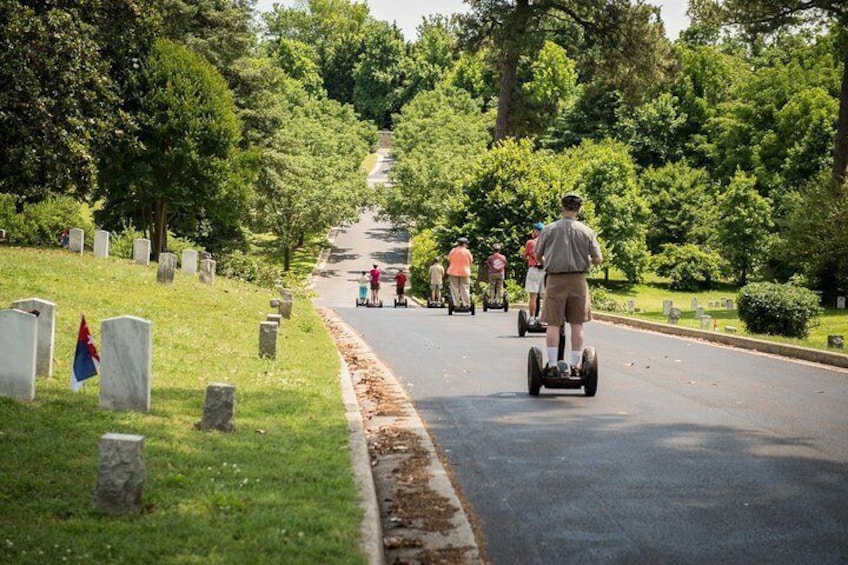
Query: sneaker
{"type": "Point", "coordinates": [575, 372]}
{"type": "Point", "coordinates": [551, 372]}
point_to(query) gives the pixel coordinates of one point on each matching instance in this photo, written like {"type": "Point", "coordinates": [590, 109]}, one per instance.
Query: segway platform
{"type": "Point", "coordinates": [587, 379]}
{"type": "Point", "coordinates": [437, 303]}
{"type": "Point", "coordinates": [459, 308]}
{"type": "Point", "coordinates": [525, 325]}
{"type": "Point", "coordinates": [496, 305]}
{"type": "Point", "coordinates": [370, 304]}
{"type": "Point", "coordinates": [361, 302]}
{"type": "Point", "coordinates": [401, 302]}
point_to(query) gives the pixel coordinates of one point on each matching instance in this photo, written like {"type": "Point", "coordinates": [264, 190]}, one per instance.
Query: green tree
{"type": "Point", "coordinates": [297, 60]}
{"type": "Point", "coordinates": [378, 77]}
{"type": "Point", "coordinates": [430, 58]}
{"type": "Point", "coordinates": [743, 226]}
{"type": "Point", "coordinates": [653, 131]}
{"type": "Point", "coordinates": [188, 131]}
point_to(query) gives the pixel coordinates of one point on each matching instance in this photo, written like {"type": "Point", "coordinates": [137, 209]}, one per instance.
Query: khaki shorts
{"type": "Point", "coordinates": [567, 299]}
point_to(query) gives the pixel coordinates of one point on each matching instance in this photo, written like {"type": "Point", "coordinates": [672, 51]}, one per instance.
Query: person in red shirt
{"type": "Point", "coordinates": [534, 283]}
{"type": "Point", "coordinates": [400, 282]}
{"type": "Point", "coordinates": [375, 275]}
{"type": "Point", "coordinates": [496, 264]}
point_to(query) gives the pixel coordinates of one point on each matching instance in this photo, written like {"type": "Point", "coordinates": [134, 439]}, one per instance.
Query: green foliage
{"type": "Point", "coordinates": [424, 252]}
{"type": "Point", "coordinates": [430, 58]}
{"type": "Point", "coordinates": [237, 265]}
{"type": "Point", "coordinates": [690, 267]}
{"type": "Point", "coordinates": [603, 300]}
{"type": "Point", "coordinates": [778, 309]}
{"type": "Point", "coordinates": [40, 224]}
{"type": "Point", "coordinates": [377, 76]}
{"type": "Point", "coordinates": [121, 241]}
{"type": "Point", "coordinates": [296, 59]}
{"type": "Point", "coordinates": [654, 131]}
{"type": "Point", "coordinates": [743, 224]}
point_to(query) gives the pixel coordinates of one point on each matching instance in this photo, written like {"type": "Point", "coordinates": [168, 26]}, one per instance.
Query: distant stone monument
{"type": "Point", "coordinates": [835, 342]}
{"type": "Point", "coordinates": [706, 322]}
{"type": "Point", "coordinates": [268, 339]}
{"type": "Point", "coordinates": [126, 363]}
{"type": "Point", "coordinates": [729, 304]}
{"type": "Point", "coordinates": [631, 306]}
{"type": "Point", "coordinates": [285, 307]}
{"type": "Point", "coordinates": [667, 306]}
{"type": "Point", "coordinates": [46, 322]}
{"type": "Point", "coordinates": [120, 475]}
{"type": "Point", "coordinates": [699, 311]}
{"type": "Point", "coordinates": [76, 241]}
{"type": "Point", "coordinates": [207, 271]}
{"type": "Point", "coordinates": [674, 315]}
{"type": "Point", "coordinates": [18, 351]}
{"type": "Point", "coordinates": [101, 243]}
{"type": "Point", "coordinates": [189, 262]}
{"type": "Point", "coordinates": [166, 269]}
{"type": "Point", "coordinates": [694, 303]}
{"type": "Point", "coordinates": [840, 303]}
{"type": "Point", "coordinates": [141, 251]}
{"type": "Point", "coordinates": [219, 409]}
{"type": "Point", "coordinates": [276, 318]}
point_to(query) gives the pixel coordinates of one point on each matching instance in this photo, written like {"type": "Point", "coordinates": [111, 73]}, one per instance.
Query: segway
{"type": "Point", "coordinates": [371, 304]}
{"type": "Point", "coordinates": [361, 302]}
{"type": "Point", "coordinates": [459, 307]}
{"type": "Point", "coordinates": [401, 302]}
{"type": "Point", "coordinates": [492, 304]}
{"type": "Point", "coordinates": [437, 303]}
{"type": "Point", "coordinates": [587, 378]}
{"type": "Point", "coordinates": [526, 325]}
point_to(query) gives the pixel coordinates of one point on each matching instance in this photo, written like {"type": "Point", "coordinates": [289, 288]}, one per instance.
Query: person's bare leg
{"type": "Point", "coordinates": [532, 304]}
{"type": "Point", "coordinates": [577, 337]}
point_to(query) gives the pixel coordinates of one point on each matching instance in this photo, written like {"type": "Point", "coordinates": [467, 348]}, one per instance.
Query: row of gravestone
{"type": "Point", "coordinates": [270, 327]}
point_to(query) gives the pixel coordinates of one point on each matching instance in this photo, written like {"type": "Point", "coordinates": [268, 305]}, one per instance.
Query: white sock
{"type": "Point", "coordinates": [576, 356]}
{"type": "Point", "coordinates": [552, 356]}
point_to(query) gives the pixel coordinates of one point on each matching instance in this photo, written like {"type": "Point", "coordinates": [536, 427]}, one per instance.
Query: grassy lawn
{"type": "Point", "coordinates": [649, 298]}
{"type": "Point", "coordinates": [369, 162]}
{"type": "Point", "coordinates": [278, 490]}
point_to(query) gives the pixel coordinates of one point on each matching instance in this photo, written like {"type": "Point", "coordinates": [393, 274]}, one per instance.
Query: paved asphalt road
{"type": "Point", "coordinates": [690, 453]}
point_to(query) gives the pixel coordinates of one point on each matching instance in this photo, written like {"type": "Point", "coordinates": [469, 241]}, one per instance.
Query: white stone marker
{"type": "Point", "coordinates": [189, 262]}
{"type": "Point", "coordinates": [631, 306]}
{"type": "Point", "coordinates": [268, 339]}
{"type": "Point", "coordinates": [706, 322]}
{"type": "Point", "coordinates": [840, 303]}
{"type": "Point", "coordinates": [76, 241]}
{"type": "Point", "coordinates": [667, 305]}
{"type": "Point", "coordinates": [46, 332]}
{"type": "Point", "coordinates": [729, 304]}
{"type": "Point", "coordinates": [101, 243]}
{"type": "Point", "coordinates": [166, 269]}
{"type": "Point", "coordinates": [126, 363]}
{"type": "Point", "coordinates": [18, 348]}
{"type": "Point", "coordinates": [694, 304]}
{"type": "Point", "coordinates": [219, 409]}
{"type": "Point", "coordinates": [699, 311]}
{"type": "Point", "coordinates": [674, 315]}
{"type": "Point", "coordinates": [207, 271]}
{"type": "Point", "coordinates": [120, 475]}
{"type": "Point", "coordinates": [286, 302]}
{"type": "Point", "coordinates": [141, 251]}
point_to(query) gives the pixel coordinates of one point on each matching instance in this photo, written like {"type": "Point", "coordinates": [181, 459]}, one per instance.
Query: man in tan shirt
{"type": "Point", "coordinates": [437, 274]}
{"type": "Point", "coordinates": [570, 248]}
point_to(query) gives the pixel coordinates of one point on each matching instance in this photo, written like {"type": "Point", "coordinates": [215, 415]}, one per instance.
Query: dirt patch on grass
{"type": "Point", "coordinates": [420, 516]}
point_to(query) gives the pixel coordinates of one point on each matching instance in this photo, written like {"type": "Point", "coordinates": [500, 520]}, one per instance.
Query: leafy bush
{"type": "Point", "coordinates": [424, 251]}
{"type": "Point", "coordinates": [778, 309]}
{"type": "Point", "coordinates": [601, 300]}
{"type": "Point", "coordinates": [238, 265]}
{"type": "Point", "coordinates": [688, 266]}
{"type": "Point", "coordinates": [121, 243]}
{"type": "Point", "coordinates": [40, 224]}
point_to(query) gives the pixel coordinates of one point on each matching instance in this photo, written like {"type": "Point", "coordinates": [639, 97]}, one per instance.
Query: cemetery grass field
{"type": "Point", "coordinates": [278, 490]}
{"type": "Point", "coordinates": [649, 298]}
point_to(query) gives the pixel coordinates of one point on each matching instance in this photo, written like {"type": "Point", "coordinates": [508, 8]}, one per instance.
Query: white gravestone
{"type": "Point", "coordinates": [18, 348]}
{"type": "Point", "coordinates": [840, 303]}
{"type": "Point", "coordinates": [729, 304]}
{"type": "Point", "coordinates": [699, 311]}
{"type": "Point", "coordinates": [46, 332]}
{"type": "Point", "coordinates": [189, 262]}
{"type": "Point", "coordinates": [166, 269]}
{"type": "Point", "coordinates": [126, 363]}
{"type": "Point", "coordinates": [141, 251]}
{"type": "Point", "coordinates": [674, 315]}
{"type": "Point", "coordinates": [694, 304]}
{"type": "Point", "coordinates": [207, 271]}
{"type": "Point", "coordinates": [76, 241]}
{"type": "Point", "coordinates": [706, 322]}
{"type": "Point", "coordinates": [667, 305]}
{"type": "Point", "coordinates": [285, 307]}
{"type": "Point", "coordinates": [631, 306]}
{"type": "Point", "coordinates": [101, 243]}
{"type": "Point", "coordinates": [121, 475]}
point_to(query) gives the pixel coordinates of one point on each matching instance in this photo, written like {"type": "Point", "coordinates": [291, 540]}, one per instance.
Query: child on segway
{"type": "Point", "coordinates": [570, 248]}
{"type": "Point", "coordinates": [400, 286]}
{"type": "Point", "coordinates": [363, 281]}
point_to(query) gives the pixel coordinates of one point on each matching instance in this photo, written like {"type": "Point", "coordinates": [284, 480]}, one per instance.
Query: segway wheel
{"type": "Point", "coordinates": [522, 323]}
{"type": "Point", "coordinates": [396, 303]}
{"type": "Point", "coordinates": [535, 365]}
{"type": "Point", "coordinates": [380, 304]}
{"type": "Point", "coordinates": [485, 304]}
{"type": "Point", "coordinates": [472, 307]}
{"type": "Point", "coordinates": [450, 307]}
{"type": "Point", "coordinates": [506, 304]}
{"type": "Point", "coordinates": [589, 371]}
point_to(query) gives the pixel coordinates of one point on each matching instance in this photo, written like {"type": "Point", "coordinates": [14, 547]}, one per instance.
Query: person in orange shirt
{"type": "Point", "coordinates": [459, 271]}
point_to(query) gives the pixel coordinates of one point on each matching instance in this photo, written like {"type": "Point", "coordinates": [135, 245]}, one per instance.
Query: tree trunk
{"type": "Point", "coordinates": [840, 149]}
{"type": "Point", "coordinates": [159, 239]}
{"type": "Point", "coordinates": [514, 32]}
{"type": "Point", "coordinates": [287, 259]}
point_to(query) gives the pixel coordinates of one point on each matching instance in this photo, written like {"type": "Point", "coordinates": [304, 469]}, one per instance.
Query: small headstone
{"type": "Point", "coordinates": [275, 303]}
{"type": "Point", "coordinates": [141, 251]}
{"type": "Point", "coordinates": [724, 302]}
{"type": "Point", "coordinates": [699, 311]}
{"type": "Point", "coordinates": [729, 304]}
{"type": "Point", "coordinates": [18, 350]}
{"type": "Point", "coordinates": [126, 363]}
{"type": "Point", "coordinates": [667, 305]}
{"type": "Point", "coordinates": [286, 303]}
{"type": "Point", "coordinates": [120, 475]}
{"type": "Point", "coordinates": [76, 241]}
{"type": "Point", "coordinates": [205, 255]}
{"type": "Point", "coordinates": [167, 266]}
{"type": "Point", "coordinates": [2, 236]}
{"type": "Point", "coordinates": [268, 339]}
{"type": "Point", "coordinates": [276, 318]}
{"type": "Point", "coordinates": [207, 271]}
{"type": "Point", "coordinates": [730, 329]}
{"type": "Point", "coordinates": [46, 322]}
{"type": "Point", "coordinates": [712, 304]}
{"type": "Point", "coordinates": [674, 315]}
{"type": "Point", "coordinates": [219, 410]}
{"type": "Point", "coordinates": [835, 341]}
{"type": "Point", "coordinates": [101, 243]}
{"type": "Point", "coordinates": [840, 303]}
{"type": "Point", "coordinates": [189, 262]}
{"type": "Point", "coordinates": [706, 322]}
{"type": "Point", "coordinates": [694, 303]}
{"type": "Point", "coordinates": [631, 306]}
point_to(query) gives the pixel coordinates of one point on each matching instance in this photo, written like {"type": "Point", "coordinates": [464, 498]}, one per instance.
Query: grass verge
{"type": "Point", "coordinates": [279, 489]}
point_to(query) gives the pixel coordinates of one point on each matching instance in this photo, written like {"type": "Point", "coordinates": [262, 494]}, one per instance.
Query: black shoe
{"type": "Point", "coordinates": [575, 372]}
{"type": "Point", "coordinates": [551, 372]}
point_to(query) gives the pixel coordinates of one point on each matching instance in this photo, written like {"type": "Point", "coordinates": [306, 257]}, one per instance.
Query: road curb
{"type": "Point", "coordinates": [370, 530]}
{"type": "Point", "coordinates": [782, 349]}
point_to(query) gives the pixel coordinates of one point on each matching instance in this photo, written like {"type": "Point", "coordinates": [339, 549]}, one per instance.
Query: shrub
{"type": "Point", "coordinates": [778, 309]}
{"type": "Point", "coordinates": [40, 224]}
{"type": "Point", "coordinates": [688, 266]}
{"type": "Point", "coordinates": [121, 243]}
{"type": "Point", "coordinates": [238, 265]}
{"type": "Point", "coordinates": [424, 251]}
{"type": "Point", "coordinates": [601, 300]}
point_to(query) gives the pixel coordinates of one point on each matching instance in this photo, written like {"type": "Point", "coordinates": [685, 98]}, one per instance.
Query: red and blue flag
{"type": "Point", "coordinates": [86, 359]}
